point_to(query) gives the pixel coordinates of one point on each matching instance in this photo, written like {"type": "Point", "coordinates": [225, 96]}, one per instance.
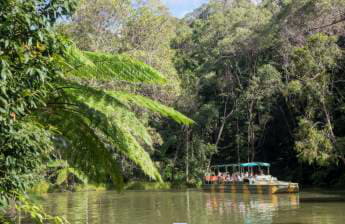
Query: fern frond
{"type": "Point", "coordinates": [119, 136]}
{"type": "Point", "coordinates": [63, 173]}
{"type": "Point", "coordinates": [121, 112]}
{"type": "Point", "coordinates": [124, 100]}
{"type": "Point", "coordinates": [77, 173]}
{"type": "Point", "coordinates": [102, 121]}
{"type": "Point", "coordinates": [151, 105]}
{"type": "Point", "coordinates": [82, 147]}
{"type": "Point", "coordinates": [62, 176]}
{"type": "Point", "coordinates": [109, 67]}
{"type": "Point", "coordinates": [57, 163]}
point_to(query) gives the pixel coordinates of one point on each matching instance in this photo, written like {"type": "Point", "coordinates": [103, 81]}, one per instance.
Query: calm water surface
{"type": "Point", "coordinates": [192, 207]}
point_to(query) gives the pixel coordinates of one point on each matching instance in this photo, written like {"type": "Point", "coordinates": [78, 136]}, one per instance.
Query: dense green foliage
{"type": "Point", "coordinates": [143, 29]}
{"type": "Point", "coordinates": [58, 102]}
{"type": "Point", "coordinates": [269, 78]}
{"type": "Point", "coordinates": [27, 46]}
{"type": "Point", "coordinates": [262, 81]}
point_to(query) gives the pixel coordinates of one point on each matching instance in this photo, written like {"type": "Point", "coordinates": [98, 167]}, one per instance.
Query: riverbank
{"type": "Point", "coordinates": [45, 187]}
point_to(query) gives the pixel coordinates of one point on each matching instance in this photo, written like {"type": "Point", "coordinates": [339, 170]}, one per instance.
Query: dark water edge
{"type": "Point", "coordinates": [322, 195]}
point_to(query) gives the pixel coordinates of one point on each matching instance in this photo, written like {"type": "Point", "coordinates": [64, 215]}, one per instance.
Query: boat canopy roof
{"type": "Point", "coordinates": [255, 164]}
{"type": "Point", "coordinates": [252, 164]}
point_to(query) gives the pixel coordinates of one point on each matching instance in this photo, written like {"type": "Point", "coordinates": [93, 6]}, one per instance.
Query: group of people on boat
{"type": "Point", "coordinates": [226, 177]}
{"type": "Point", "coordinates": [239, 175]}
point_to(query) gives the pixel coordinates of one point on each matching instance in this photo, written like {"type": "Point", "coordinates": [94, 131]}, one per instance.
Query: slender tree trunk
{"type": "Point", "coordinates": [329, 123]}
{"type": "Point", "coordinates": [250, 134]}
{"type": "Point", "coordinates": [187, 155]}
{"type": "Point", "coordinates": [248, 141]}
{"type": "Point", "coordinates": [238, 142]}
{"type": "Point", "coordinates": [253, 145]}
{"type": "Point", "coordinates": [225, 117]}
{"type": "Point", "coordinates": [220, 132]}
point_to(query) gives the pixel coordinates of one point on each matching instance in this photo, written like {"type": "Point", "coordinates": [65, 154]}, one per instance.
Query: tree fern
{"type": "Point", "coordinates": [96, 124]}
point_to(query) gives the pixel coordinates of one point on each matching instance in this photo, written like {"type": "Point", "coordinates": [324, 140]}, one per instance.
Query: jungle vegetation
{"type": "Point", "coordinates": [87, 91]}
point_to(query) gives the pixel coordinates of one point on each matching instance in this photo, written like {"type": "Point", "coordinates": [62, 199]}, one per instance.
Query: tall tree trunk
{"type": "Point", "coordinates": [238, 142]}
{"type": "Point", "coordinates": [251, 133]}
{"type": "Point", "coordinates": [187, 155]}
{"type": "Point", "coordinates": [329, 122]}
{"type": "Point", "coordinates": [226, 116]}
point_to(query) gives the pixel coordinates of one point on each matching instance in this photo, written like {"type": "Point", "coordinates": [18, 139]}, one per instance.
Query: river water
{"type": "Point", "coordinates": [193, 207]}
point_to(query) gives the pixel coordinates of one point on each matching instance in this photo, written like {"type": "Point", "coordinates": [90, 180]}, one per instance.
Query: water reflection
{"type": "Point", "coordinates": [191, 207]}
{"type": "Point", "coordinates": [245, 208]}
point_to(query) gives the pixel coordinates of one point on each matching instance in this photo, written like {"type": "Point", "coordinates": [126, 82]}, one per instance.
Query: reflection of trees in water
{"type": "Point", "coordinates": [247, 207]}
{"type": "Point", "coordinates": [167, 207]}
{"type": "Point", "coordinates": [62, 201]}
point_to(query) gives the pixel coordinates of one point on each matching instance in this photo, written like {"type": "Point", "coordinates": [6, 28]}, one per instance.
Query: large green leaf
{"type": "Point", "coordinates": [119, 137]}
{"type": "Point", "coordinates": [62, 176]}
{"type": "Point", "coordinates": [108, 67]}
{"type": "Point", "coordinates": [151, 105]}
{"type": "Point", "coordinates": [82, 147]}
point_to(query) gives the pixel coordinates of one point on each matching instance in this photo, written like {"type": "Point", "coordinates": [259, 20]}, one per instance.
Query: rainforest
{"type": "Point", "coordinates": [100, 95]}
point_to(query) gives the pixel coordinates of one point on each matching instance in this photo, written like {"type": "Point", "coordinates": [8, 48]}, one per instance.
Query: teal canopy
{"type": "Point", "coordinates": [254, 164]}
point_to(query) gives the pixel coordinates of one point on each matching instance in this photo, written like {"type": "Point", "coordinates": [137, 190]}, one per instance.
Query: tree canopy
{"type": "Point", "coordinates": [87, 92]}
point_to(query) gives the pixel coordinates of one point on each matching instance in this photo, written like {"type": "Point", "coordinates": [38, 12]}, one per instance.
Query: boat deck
{"type": "Point", "coordinates": [274, 188]}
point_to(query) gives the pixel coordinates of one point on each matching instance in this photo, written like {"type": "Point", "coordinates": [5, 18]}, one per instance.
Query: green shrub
{"type": "Point", "coordinates": [138, 185]}
{"type": "Point", "coordinates": [41, 187]}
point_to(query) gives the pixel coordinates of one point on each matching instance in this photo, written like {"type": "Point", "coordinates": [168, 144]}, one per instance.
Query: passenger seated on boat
{"type": "Point", "coordinates": [228, 178]}
{"type": "Point", "coordinates": [240, 178]}
{"type": "Point", "coordinates": [207, 179]}
{"type": "Point", "coordinates": [251, 180]}
{"type": "Point", "coordinates": [245, 180]}
{"type": "Point", "coordinates": [214, 179]}
{"type": "Point", "coordinates": [232, 178]}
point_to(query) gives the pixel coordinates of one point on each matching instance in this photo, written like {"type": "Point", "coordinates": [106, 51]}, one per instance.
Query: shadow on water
{"type": "Point", "coordinates": [195, 207]}
{"type": "Point", "coordinates": [313, 195]}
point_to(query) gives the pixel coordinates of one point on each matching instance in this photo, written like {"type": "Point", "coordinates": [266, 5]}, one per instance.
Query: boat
{"type": "Point", "coordinates": [252, 178]}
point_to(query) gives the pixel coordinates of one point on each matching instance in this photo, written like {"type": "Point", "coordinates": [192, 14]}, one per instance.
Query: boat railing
{"type": "Point", "coordinates": [238, 179]}
{"type": "Point", "coordinates": [224, 180]}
